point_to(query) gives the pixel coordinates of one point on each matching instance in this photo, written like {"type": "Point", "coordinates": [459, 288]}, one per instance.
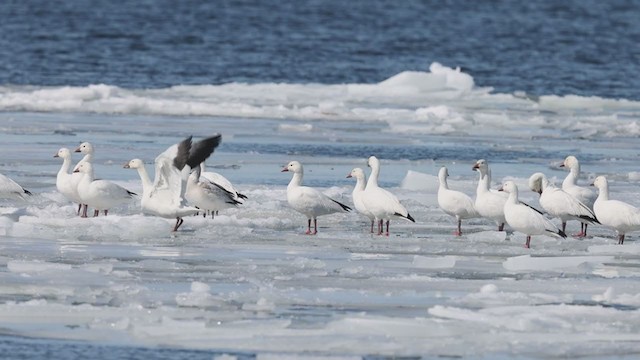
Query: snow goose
{"type": "Point", "coordinates": [100, 194]}
{"type": "Point", "coordinates": [380, 202]}
{"type": "Point", "coordinates": [220, 181]}
{"type": "Point", "coordinates": [489, 203]}
{"type": "Point", "coordinates": [67, 181]}
{"type": "Point", "coordinates": [358, 193]}
{"type": "Point", "coordinates": [206, 195]}
{"type": "Point", "coordinates": [454, 203]}
{"type": "Point", "coordinates": [620, 216]}
{"type": "Point", "coordinates": [11, 189]}
{"type": "Point", "coordinates": [87, 149]}
{"type": "Point", "coordinates": [525, 219]}
{"type": "Point", "coordinates": [570, 185]}
{"type": "Point", "coordinates": [164, 196]}
{"type": "Point", "coordinates": [309, 201]}
{"type": "Point", "coordinates": [559, 203]}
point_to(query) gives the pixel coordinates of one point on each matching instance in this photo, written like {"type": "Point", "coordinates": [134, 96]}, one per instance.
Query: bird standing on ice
{"type": "Point", "coordinates": [214, 178]}
{"type": "Point", "coordinates": [454, 203]}
{"type": "Point", "coordinates": [524, 218]}
{"type": "Point", "coordinates": [87, 149]}
{"type": "Point", "coordinates": [380, 202]}
{"type": "Point", "coordinates": [559, 203]}
{"type": "Point", "coordinates": [206, 195]}
{"type": "Point", "coordinates": [100, 194]}
{"type": "Point", "coordinates": [309, 201]}
{"type": "Point", "coordinates": [358, 193]}
{"type": "Point", "coordinates": [583, 194]}
{"type": "Point", "coordinates": [164, 196]}
{"type": "Point", "coordinates": [615, 214]}
{"type": "Point", "coordinates": [489, 203]}
{"type": "Point", "coordinates": [67, 181]}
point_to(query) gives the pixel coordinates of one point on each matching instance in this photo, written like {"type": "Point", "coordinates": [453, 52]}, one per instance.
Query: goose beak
{"type": "Point", "coordinates": [77, 150]}
{"type": "Point", "coordinates": [348, 176]}
{"type": "Point", "coordinates": [76, 170]}
{"type": "Point", "coordinates": [475, 167]}
{"type": "Point", "coordinates": [501, 189]}
{"type": "Point", "coordinates": [56, 155]}
{"type": "Point", "coordinates": [285, 169]}
{"type": "Point", "coordinates": [126, 166]}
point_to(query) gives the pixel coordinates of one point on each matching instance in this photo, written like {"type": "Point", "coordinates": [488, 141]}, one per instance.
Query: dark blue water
{"type": "Point", "coordinates": [583, 47]}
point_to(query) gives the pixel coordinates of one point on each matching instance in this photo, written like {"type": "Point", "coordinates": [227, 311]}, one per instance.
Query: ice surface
{"type": "Point", "coordinates": [249, 282]}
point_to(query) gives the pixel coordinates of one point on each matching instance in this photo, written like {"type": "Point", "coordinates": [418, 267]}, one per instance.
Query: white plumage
{"type": "Point", "coordinates": [570, 185]}
{"type": "Point", "coordinates": [558, 203]}
{"type": "Point", "coordinates": [206, 195]}
{"type": "Point", "coordinates": [618, 215]}
{"type": "Point", "coordinates": [358, 194]}
{"type": "Point", "coordinates": [165, 196]}
{"type": "Point", "coordinates": [67, 181]}
{"type": "Point", "coordinates": [11, 189]}
{"type": "Point", "coordinates": [454, 203]}
{"type": "Point", "coordinates": [380, 202]}
{"type": "Point", "coordinates": [100, 194]}
{"type": "Point", "coordinates": [489, 203]}
{"type": "Point", "coordinates": [309, 201]}
{"type": "Point", "coordinates": [524, 218]}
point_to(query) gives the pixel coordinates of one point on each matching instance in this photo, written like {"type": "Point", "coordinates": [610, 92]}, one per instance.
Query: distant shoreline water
{"type": "Point", "coordinates": [542, 48]}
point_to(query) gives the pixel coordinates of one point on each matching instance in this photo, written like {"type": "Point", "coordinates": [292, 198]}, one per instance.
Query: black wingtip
{"type": "Point", "coordinates": [561, 233]}
{"type": "Point", "coordinates": [184, 148]}
{"type": "Point", "coordinates": [589, 219]}
{"type": "Point", "coordinates": [131, 193]}
{"type": "Point", "coordinates": [27, 192]}
{"type": "Point", "coordinates": [343, 206]}
{"type": "Point", "coordinates": [408, 217]}
{"type": "Point", "coordinates": [202, 149]}
{"type": "Point", "coordinates": [241, 196]}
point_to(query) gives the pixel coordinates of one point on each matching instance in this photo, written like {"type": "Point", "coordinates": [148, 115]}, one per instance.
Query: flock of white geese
{"type": "Point", "coordinates": [181, 187]}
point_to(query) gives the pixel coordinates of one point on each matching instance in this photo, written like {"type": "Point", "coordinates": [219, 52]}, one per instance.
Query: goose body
{"type": "Point", "coordinates": [558, 203]}
{"type": "Point", "coordinates": [165, 196]}
{"type": "Point", "coordinates": [206, 195]}
{"type": "Point", "coordinates": [489, 203]}
{"type": "Point", "coordinates": [454, 203]}
{"type": "Point", "coordinates": [358, 194]}
{"type": "Point", "coordinates": [67, 181]}
{"type": "Point", "coordinates": [380, 202]}
{"type": "Point", "coordinates": [570, 185]}
{"type": "Point", "coordinates": [11, 189]}
{"type": "Point", "coordinates": [100, 194]}
{"type": "Point", "coordinates": [309, 201]}
{"type": "Point", "coordinates": [615, 214]}
{"type": "Point", "coordinates": [525, 219]}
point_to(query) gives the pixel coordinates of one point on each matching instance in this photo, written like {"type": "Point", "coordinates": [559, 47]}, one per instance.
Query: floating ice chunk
{"type": "Point", "coordinates": [199, 296]}
{"type": "Point", "coordinates": [634, 176]}
{"type": "Point", "coordinates": [454, 77]}
{"type": "Point", "coordinates": [614, 249]}
{"type": "Point", "coordinates": [418, 181]}
{"type": "Point", "coordinates": [489, 289]}
{"type": "Point", "coordinates": [439, 262]}
{"type": "Point", "coordinates": [607, 296]}
{"type": "Point", "coordinates": [28, 267]}
{"type": "Point", "coordinates": [295, 127]}
{"type": "Point", "coordinates": [263, 305]}
{"type": "Point", "coordinates": [527, 262]}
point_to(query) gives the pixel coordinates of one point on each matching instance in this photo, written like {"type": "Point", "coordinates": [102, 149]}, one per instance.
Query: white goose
{"type": "Point", "coordinates": [358, 193]}
{"type": "Point", "coordinates": [620, 216]}
{"type": "Point", "coordinates": [206, 195]}
{"type": "Point", "coordinates": [11, 189]}
{"type": "Point", "coordinates": [489, 203]}
{"type": "Point", "coordinates": [559, 203]}
{"type": "Point", "coordinates": [164, 196]}
{"type": "Point", "coordinates": [67, 181]}
{"type": "Point", "coordinates": [309, 201]}
{"type": "Point", "coordinates": [525, 219]}
{"type": "Point", "coordinates": [380, 202]}
{"type": "Point", "coordinates": [100, 194]}
{"type": "Point", "coordinates": [220, 181]}
{"type": "Point", "coordinates": [454, 203]}
{"type": "Point", "coordinates": [87, 149]}
{"type": "Point", "coordinates": [570, 185]}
